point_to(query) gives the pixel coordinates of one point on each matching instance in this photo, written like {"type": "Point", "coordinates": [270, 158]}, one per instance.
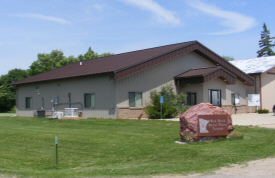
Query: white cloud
{"type": "Point", "coordinates": [163, 15]}
{"type": "Point", "coordinates": [235, 22]}
{"type": "Point", "coordinates": [42, 17]}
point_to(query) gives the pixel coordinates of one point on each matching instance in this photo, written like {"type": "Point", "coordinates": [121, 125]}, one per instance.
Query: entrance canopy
{"type": "Point", "coordinates": [203, 75]}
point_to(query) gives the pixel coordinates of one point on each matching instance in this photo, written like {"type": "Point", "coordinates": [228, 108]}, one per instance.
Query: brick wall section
{"type": "Point", "coordinates": [239, 109]}
{"type": "Point", "coordinates": [130, 113]}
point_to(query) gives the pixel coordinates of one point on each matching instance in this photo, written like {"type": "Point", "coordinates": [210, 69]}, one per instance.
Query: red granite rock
{"type": "Point", "coordinates": [189, 121]}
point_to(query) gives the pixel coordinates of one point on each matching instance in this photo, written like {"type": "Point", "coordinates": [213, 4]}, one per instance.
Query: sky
{"type": "Point", "coordinates": [229, 28]}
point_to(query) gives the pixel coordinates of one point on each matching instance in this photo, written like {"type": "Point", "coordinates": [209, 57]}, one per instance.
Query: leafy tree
{"type": "Point", "coordinates": [46, 62]}
{"type": "Point", "coordinates": [228, 58]}
{"type": "Point", "coordinates": [106, 54]}
{"type": "Point", "coordinates": [66, 61]}
{"type": "Point", "coordinates": [7, 93]}
{"type": "Point", "coordinates": [265, 43]}
{"type": "Point", "coordinates": [90, 54]}
{"type": "Point", "coordinates": [173, 104]}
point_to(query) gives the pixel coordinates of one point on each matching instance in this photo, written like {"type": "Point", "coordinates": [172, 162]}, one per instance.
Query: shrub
{"type": "Point", "coordinates": [172, 105]}
{"type": "Point", "coordinates": [263, 111]}
{"type": "Point", "coordinates": [153, 109]}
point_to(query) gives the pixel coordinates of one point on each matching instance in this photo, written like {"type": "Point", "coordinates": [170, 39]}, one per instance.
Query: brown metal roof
{"type": "Point", "coordinates": [196, 72]}
{"type": "Point", "coordinates": [125, 64]}
{"type": "Point", "coordinates": [203, 75]}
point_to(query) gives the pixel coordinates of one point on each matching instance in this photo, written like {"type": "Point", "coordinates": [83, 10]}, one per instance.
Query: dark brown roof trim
{"type": "Point", "coordinates": [203, 75]}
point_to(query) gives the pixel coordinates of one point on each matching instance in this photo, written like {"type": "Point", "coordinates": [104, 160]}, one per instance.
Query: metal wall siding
{"type": "Point", "coordinates": [239, 87]}
{"type": "Point", "coordinates": [100, 85]}
{"type": "Point", "coordinates": [153, 62]}
{"type": "Point", "coordinates": [157, 76]}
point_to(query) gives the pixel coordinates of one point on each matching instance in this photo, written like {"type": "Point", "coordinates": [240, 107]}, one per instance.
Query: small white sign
{"type": "Point", "coordinates": [55, 139]}
{"type": "Point", "coordinates": [254, 100]}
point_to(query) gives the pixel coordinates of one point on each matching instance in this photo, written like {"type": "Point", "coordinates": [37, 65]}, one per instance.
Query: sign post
{"type": "Point", "coordinates": [161, 101]}
{"type": "Point", "coordinates": [56, 161]}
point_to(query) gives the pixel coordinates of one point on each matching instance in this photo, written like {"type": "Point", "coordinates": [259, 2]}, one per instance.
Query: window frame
{"type": "Point", "coordinates": [192, 103]}
{"type": "Point", "coordinates": [85, 106]}
{"type": "Point", "coordinates": [234, 94]}
{"type": "Point", "coordinates": [28, 102]}
{"type": "Point", "coordinates": [135, 97]}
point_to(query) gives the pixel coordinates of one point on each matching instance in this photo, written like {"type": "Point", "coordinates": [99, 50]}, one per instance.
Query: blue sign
{"type": "Point", "coordinates": [161, 99]}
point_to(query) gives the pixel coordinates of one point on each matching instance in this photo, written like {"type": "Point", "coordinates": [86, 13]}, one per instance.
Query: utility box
{"type": "Point", "coordinates": [41, 113]}
{"type": "Point", "coordinates": [71, 112]}
{"type": "Point", "coordinates": [58, 115]}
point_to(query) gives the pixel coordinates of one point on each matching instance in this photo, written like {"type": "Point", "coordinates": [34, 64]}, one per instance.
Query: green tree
{"type": "Point", "coordinates": [265, 43]}
{"type": "Point", "coordinates": [46, 62]}
{"type": "Point", "coordinates": [66, 61]}
{"type": "Point", "coordinates": [90, 54]}
{"type": "Point", "coordinates": [106, 54]}
{"type": "Point", "coordinates": [7, 93]}
{"type": "Point", "coordinates": [228, 58]}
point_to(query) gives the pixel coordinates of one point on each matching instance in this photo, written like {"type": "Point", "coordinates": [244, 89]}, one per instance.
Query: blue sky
{"type": "Point", "coordinates": [30, 27]}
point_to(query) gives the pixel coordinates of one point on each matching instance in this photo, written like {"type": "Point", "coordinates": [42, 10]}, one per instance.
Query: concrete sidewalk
{"type": "Point", "coordinates": [8, 114]}
{"type": "Point", "coordinates": [253, 119]}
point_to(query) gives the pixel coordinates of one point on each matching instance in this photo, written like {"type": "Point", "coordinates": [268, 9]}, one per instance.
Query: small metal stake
{"type": "Point", "coordinates": [56, 162]}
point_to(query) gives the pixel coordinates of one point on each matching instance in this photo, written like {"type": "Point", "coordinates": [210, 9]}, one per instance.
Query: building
{"type": "Point", "coordinates": [262, 69]}
{"type": "Point", "coordinates": [119, 86]}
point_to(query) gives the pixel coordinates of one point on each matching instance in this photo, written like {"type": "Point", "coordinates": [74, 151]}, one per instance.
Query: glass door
{"type": "Point", "coordinates": [215, 97]}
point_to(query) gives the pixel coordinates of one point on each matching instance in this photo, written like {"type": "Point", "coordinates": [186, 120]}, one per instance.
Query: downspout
{"type": "Point", "coordinates": [255, 79]}
{"type": "Point", "coordinates": [70, 105]}
{"type": "Point", "coordinates": [42, 103]}
{"type": "Point", "coordinates": [260, 80]}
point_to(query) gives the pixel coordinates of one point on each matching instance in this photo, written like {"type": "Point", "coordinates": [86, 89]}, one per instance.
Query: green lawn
{"type": "Point", "coordinates": [105, 147]}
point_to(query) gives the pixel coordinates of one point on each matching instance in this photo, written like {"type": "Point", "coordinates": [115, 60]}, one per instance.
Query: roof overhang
{"type": "Point", "coordinates": [203, 75]}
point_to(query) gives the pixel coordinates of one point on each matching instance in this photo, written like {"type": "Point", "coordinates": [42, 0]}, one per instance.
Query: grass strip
{"type": "Point", "coordinates": [112, 147]}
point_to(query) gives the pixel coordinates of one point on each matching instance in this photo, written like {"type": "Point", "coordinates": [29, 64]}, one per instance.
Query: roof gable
{"type": "Point", "coordinates": [203, 75]}
{"type": "Point", "coordinates": [125, 64]}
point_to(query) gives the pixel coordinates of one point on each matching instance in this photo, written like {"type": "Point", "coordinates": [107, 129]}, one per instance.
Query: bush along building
{"type": "Point", "coordinates": [119, 86]}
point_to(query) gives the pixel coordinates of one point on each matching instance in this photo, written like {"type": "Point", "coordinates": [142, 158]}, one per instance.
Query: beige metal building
{"type": "Point", "coordinates": [262, 69]}
{"type": "Point", "coordinates": [119, 86]}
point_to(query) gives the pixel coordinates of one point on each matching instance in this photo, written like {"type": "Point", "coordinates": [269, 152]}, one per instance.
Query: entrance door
{"type": "Point", "coordinates": [215, 97]}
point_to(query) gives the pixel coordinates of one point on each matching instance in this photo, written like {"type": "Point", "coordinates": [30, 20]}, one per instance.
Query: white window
{"type": "Point", "coordinates": [89, 100]}
{"type": "Point", "coordinates": [235, 100]}
{"type": "Point", "coordinates": [135, 99]}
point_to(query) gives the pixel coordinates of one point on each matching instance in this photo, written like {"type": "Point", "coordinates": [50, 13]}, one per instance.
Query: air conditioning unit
{"type": "Point", "coordinates": [71, 112]}
{"type": "Point", "coordinates": [58, 115]}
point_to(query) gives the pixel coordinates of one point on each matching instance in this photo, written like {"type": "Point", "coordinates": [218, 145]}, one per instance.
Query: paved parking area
{"type": "Point", "coordinates": [254, 119]}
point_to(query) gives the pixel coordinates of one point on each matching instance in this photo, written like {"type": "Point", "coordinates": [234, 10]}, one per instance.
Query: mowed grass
{"type": "Point", "coordinates": [109, 147]}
